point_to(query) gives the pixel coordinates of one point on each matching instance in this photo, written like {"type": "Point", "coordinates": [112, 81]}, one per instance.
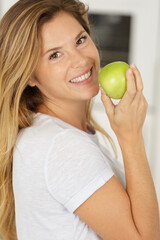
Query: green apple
{"type": "Point", "coordinates": [112, 79]}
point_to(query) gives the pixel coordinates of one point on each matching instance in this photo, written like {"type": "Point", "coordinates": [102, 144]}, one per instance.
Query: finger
{"type": "Point", "coordinates": [137, 100]}
{"type": "Point", "coordinates": [138, 78]}
{"type": "Point", "coordinates": [108, 104]}
{"type": "Point", "coordinates": [140, 100]}
{"type": "Point", "coordinates": [131, 87]}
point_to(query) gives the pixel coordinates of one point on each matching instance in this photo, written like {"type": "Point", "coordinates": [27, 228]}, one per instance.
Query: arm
{"type": "Point", "coordinates": [140, 189]}
{"type": "Point", "coordinates": [111, 211]}
{"type": "Point", "coordinates": [127, 121]}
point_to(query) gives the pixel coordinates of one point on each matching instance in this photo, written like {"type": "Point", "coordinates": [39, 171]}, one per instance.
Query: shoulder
{"type": "Point", "coordinates": [74, 141]}
{"type": "Point", "coordinates": [46, 130]}
{"type": "Point", "coordinates": [43, 129]}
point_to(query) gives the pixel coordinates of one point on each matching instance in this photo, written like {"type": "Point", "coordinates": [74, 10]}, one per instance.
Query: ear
{"type": "Point", "coordinates": [32, 83]}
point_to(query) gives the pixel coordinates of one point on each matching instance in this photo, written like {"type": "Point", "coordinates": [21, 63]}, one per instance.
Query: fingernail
{"type": "Point", "coordinates": [130, 71]}
{"type": "Point", "coordinates": [133, 66]}
{"type": "Point", "coordinates": [102, 91]}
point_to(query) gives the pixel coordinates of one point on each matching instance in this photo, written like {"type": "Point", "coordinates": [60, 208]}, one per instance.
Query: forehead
{"type": "Point", "coordinates": [59, 30]}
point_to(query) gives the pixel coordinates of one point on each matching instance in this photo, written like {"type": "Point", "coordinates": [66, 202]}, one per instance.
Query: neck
{"type": "Point", "coordinates": [74, 114]}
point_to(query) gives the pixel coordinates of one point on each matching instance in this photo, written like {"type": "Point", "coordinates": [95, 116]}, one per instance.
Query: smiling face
{"type": "Point", "coordinates": [69, 64]}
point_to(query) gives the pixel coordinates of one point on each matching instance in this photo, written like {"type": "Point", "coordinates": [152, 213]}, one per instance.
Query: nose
{"type": "Point", "coordinates": [78, 59]}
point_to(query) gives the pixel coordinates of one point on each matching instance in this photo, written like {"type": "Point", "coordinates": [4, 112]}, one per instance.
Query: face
{"type": "Point", "coordinates": [69, 64]}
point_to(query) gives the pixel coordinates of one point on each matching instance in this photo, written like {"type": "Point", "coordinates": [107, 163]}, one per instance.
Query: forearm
{"type": "Point", "coordinates": [140, 188]}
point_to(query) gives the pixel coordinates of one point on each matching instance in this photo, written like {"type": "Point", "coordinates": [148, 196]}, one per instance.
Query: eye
{"type": "Point", "coordinates": [81, 40]}
{"type": "Point", "coordinates": [55, 55]}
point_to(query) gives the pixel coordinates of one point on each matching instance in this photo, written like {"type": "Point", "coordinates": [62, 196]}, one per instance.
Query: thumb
{"type": "Point", "coordinates": [108, 104]}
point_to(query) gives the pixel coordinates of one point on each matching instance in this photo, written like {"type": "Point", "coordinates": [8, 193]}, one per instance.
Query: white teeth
{"type": "Point", "coordinates": [82, 78]}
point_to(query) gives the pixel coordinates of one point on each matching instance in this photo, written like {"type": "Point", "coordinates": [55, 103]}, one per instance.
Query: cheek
{"type": "Point", "coordinates": [98, 60]}
{"type": "Point", "coordinates": [39, 73]}
{"type": "Point", "coordinates": [95, 54]}
{"type": "Point", "coordinates": [45, 73]}
{"type": "Point", "coordinates": [49, 78]}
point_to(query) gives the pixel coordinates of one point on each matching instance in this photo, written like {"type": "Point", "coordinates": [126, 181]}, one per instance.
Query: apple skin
{"type": "Point", "coordinates": [112, 79]}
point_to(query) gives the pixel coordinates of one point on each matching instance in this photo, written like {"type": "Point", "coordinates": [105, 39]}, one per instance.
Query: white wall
{"type": "Point", "coordinates": [156, 121]}
{"type": "Point", "coordinates": [5, 5]}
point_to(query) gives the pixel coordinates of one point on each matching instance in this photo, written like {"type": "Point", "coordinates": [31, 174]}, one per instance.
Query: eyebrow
{"type": "Point", "coordinates": [58, 48]}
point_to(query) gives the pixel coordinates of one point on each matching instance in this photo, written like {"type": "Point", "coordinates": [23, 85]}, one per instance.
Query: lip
{"type": "Point", "coordinates": [81, 74]}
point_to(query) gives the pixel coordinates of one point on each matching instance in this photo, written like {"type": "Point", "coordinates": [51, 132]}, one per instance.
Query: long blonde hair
{"type": "Point", "coordinates": [19, 53]}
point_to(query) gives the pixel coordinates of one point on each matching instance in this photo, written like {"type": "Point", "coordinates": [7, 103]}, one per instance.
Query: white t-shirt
{"type": "Point", "coordinates": [56, 167]}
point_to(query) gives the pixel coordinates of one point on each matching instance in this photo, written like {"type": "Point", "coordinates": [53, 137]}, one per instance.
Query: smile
{"type": "Point", "coordinates": [81, 78]}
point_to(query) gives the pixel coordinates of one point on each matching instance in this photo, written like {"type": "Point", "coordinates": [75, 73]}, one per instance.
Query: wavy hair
{"type": "Point", "coordinates": [19, 52]}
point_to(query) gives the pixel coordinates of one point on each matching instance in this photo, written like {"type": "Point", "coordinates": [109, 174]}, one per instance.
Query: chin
{"type": "Point", "coordinates": [96, 92]}
{"type": "Point", "coordinates": [93, 93]}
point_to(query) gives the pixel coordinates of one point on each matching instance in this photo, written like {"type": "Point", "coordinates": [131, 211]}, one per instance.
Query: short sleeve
{"type": "Point", "coordinates": [75, 168]}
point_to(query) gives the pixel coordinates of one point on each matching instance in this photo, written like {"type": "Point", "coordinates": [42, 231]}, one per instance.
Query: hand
{"type": "Point", "coordinates": [127, 118]}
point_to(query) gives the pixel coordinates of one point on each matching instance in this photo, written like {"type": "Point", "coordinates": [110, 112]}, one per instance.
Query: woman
{"type": "Point", "coordinates": [56, 180]}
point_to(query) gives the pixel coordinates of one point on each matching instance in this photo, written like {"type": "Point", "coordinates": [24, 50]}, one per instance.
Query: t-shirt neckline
{"type": "Point", "coordinates": [89, 132]}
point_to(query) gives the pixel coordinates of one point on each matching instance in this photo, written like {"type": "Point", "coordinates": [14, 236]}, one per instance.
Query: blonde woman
{"type": "Point", "coordinates": [56, 180]}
